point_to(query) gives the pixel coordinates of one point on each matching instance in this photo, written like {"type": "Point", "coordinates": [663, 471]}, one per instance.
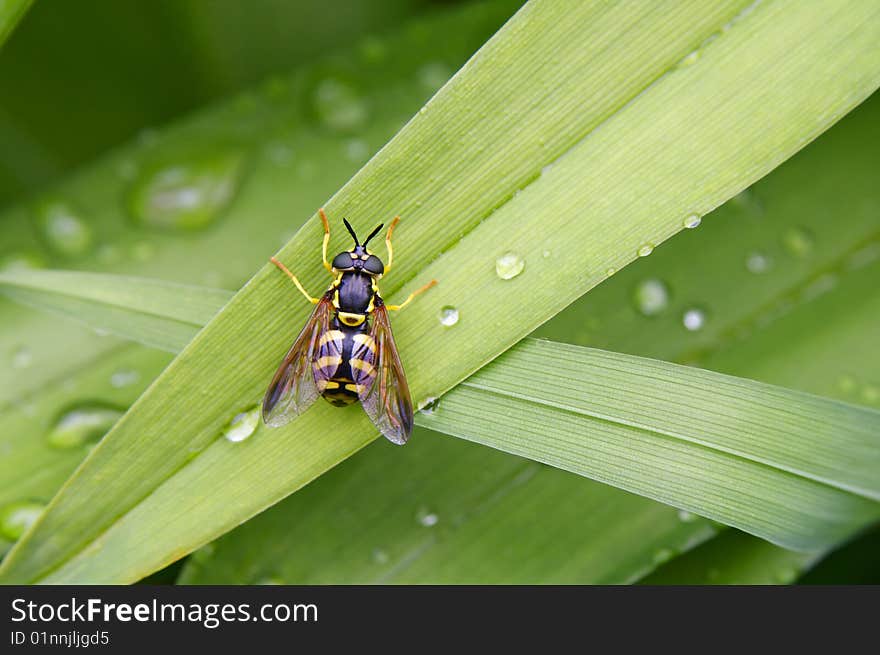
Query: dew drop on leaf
{"type": "Point", "coordinates": [357, 150]}
{"type": "Point", "coordinates": [427, 518]}
{"type": "Point", "coordinates": [691, 221]}
{"type": "Point", "coordinates": [509, 265]}
{"type": "Point", "coordinates": [646, 249]}
{"type": "Point", "coordinates": [338, 105]}
{"type": "Point", "coordinates": [81, 425]}
{"type": "Point", "coordinates": [17, 517]}
{"type": "Point", "coordinates": [124, 377]}
{"type": "Point", "coordinates": [429, 405]}
{"type": "Point", "coordinates": [448, 316]}
{"type": "Point", "coordinates": [693, 319]}
{"type": "Point", "coordinates": [186, 194]}
{"type": "Point", "coordinates": [64, 230]}
{"type": "Point", "coordinates": [757, 262]}
{"type": "Point", "coordinates": [242, 425]}
{"type": "Point", "coordinates": [651, 297]}
{"type": "Point", "coordinates": [433, 75]}
{"type": "Point", "coordinates": [689, 59]}
{"type": "Point", "coordinates": [686, 517]}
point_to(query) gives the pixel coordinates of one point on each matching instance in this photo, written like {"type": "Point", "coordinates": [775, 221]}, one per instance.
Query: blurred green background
{"type": "Point", "coordinates": [78, 78]}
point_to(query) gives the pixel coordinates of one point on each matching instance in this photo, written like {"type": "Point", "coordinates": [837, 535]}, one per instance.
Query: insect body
{"type": "Point", "coordinates": [346, 351]}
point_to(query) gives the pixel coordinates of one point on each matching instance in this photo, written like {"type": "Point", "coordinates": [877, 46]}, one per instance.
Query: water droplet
{"type": "Point", "coordinates": [509, 265]}
{"type": "Point", "coordinates": [242, 425]}
{"type": "Point", "coordinates": [426, 518]}
{"type": "Point", "coordinates": [429, 405]}
{"type": "Point", "coordinates": [448, 315]}
{"type": "Point", "coordinates": [846, 384]}
{"type": "Point", "coordinates": [17, 517]}
{"type": "Point", "coordinates": [65, 232]}
{"type": "Point", "coordinates": [693, 319]}
{"type": "Point", "coordinates": [798, 241]}
{"type": "Point", "coordinates": [434, 75]}
{"type": "Point", "coordinates": [546, 254]}
{"type": "Point", "coordinates": [124, 378]}
{"type": "Point", "coordinates": [646, 249]}
{"type": "Point", "coordinates": [651, 297]}
{"type": "Point", "coordinates": [21, 357]}
{"type": "Point", "coordinates": [610, 271]}
{"type": "Point", "coordinates": [84, 424]}
{"type": "Point", "coordinates": [21, 261]}
{"type": "Point", "coordinates": [786, 575]}
{"type": "Point", "coordinates": [692, 221]}
{"type": "Point", "coordinates": [757, 262]}
{"type": "Point", "coordinates": [279, 153]}
{"type": "Point", "coordinates": [423, 110]}
{"type": "Point", "coordinates": [686, 517]}
{"type": "Point", "coordinates": [380, 556]}
{"type": "Point", "coordinates": [663, 555]}
{"type": "Point", "coordinates": [689, 59]}
{"type": "Point", "coordinates": [338, 105]}
{"type": "Point", "coordinates": [186, 194]}
{"type": "Point", "coordinates": [357, 150]}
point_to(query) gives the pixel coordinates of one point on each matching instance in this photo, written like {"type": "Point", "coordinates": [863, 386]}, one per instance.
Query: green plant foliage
{"type": "Point", "coordinates": [709, 185]}
{"type": "Point", "coordinates": [11, 11]}
{"type": "Point", "coordinates": [134, 308]}
{"type": "Point", "coordinates": [718, 446]}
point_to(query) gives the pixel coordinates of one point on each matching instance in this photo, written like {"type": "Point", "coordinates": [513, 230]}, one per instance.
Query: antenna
{"type": "Point", "coordinates": [351, 231]}
{"type": "Point", "coordinates": [373, 233]}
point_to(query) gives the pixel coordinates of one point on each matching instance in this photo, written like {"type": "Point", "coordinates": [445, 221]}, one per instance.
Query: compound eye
{"type": "Point", "coordinates": [374, 265]}
{"type": "Point", "coordinates": [343, 261]}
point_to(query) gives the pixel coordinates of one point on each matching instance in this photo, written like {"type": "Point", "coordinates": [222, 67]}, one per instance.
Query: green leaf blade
{"type": "Point", "coordinates": [134, 308]}
{"type": "Point", "coordinates": [596, 194]}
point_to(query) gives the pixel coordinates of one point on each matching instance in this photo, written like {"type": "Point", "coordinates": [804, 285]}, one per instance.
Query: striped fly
{"type": "Point", "coordinates": [346, 352]}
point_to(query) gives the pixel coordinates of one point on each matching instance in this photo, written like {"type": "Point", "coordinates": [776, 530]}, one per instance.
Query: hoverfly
{"type": "Point", "coordinates": [346, 351]}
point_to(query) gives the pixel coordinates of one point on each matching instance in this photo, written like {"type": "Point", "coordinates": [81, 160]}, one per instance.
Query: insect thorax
{"type": "Point", "coordinates": [353, 297]}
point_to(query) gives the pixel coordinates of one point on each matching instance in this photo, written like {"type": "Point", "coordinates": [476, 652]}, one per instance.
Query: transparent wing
{"type": "Point", "coordinates": [384, 392]}
{"type": "Point", "coordinates": [294, 387]}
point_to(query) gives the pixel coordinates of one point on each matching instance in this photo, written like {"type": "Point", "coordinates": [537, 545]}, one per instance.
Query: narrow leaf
{"type": "Point", "coordinates": [629, 421]}
{"type": "Point", "coordinates": [11, 11]}
{"type": "Point", "coordinates": [590, 66]}
{"type": "Point", "coordinates": [156, 313]}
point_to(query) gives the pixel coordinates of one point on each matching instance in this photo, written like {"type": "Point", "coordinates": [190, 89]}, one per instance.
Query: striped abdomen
{"type": "Point", "coordinates": [345, 365]}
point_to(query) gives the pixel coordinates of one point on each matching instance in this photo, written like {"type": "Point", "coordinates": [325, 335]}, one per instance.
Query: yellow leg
{"type": "Point", "coordinates": [388, 244]}
{"type": "Point", "coordinates": [326, 240]}
{"type": "Point", "coordinates": [396, 308]}
{"type": "Point", "coordinates": [299, 286]}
